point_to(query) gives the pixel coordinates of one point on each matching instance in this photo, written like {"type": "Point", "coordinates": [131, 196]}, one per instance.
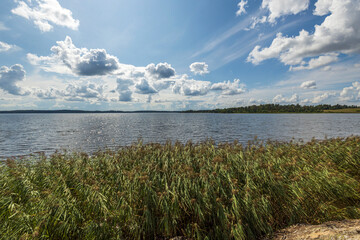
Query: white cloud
{"type": "Point", "coordinates": [67, 58]}
{"type": "Point", "coordinates": [339, 33]}
{"type": "Point", "coordinates": [308, 85]}
{"type": "Point", "coordinates": [161, 70]}
{"type": "Point", "coordinates": [339, 74]}
{"type": "Point", "coordinates": [9, 77]}
{"type": "Point", "coordinates": [229, 88]}
{"type": "Point", "coordinates": [199, 68]}
{"type": "Point", "coordinates": [351, 93]}
{"type": "Point", "coordinates": [76, 91]}
{"type": "Point", "coordinates": [45, 14]}
{"type": "Point", "coordinates": [256, 101]}
{"type": "Point", "coordinates": [278, 8]}
{"type": "Point", "coordinates": [281, 99]}
{"type": "Point", "coordinates": [143, 87]}
{"type": "Point", "coordinates": [46, 94]}
{"type": "Point", "coordinates": [125, 96]}
{"type": "Point", "coordinates": [132, 82]}
{"type": "Point", "coordinates": [123, 88]}
{"type": "Point", "coordinates": [163, 84]}
{"type": "Point", "coordinates": [321, 61]}
{"type": "Point", "coordinates": [322, 7]}
{"type": "Point", "coordinates": [241, 6]}
{"type": "Point", "coordinates": [257, 20]}
{"type": "Point", "coordinates": [190, 87]}
{"type": "Point", "coordinates": [323, 97]}
{"type": "Point", "coordinates": [5, 47]}
{"type": "Point", "coordinates": [144, 80]}
{"type": "Point", "coordinates": [82, 62]}
{"type": "Point", "coordinates": [87, 91]}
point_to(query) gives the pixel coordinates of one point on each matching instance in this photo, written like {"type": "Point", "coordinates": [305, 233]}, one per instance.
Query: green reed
{"type": "Point", "coordinates": [199, 191]}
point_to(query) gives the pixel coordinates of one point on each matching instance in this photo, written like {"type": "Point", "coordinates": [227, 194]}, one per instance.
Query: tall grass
{"type": "Point", "coordinates": [200, 191]}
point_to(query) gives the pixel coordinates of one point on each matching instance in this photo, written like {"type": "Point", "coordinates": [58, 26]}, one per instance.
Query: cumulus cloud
{"type": "Point", "coordinates": [161, 70]}
{"type": "Point", "coordinates": [190, 87]}
{"type": "Point", "coordinates": [351, 93]}
{"type": "Point", "coordinates": [74, 92]}
{"type": "Point", "coordinates": [339, 33]}
{"type": "Point", "coordinates": [5, 47]}
{"type": "Point", "coordinates": [147, 80]}
{"type": "Point", "coordinates": [322, 7]}
{"type": "Point", "coordinates": [67, 58]}
{"type": "Point", "coordinates": [143, 87]}
{"type": "Point", "coordinates": [256, 21]}
{"type": "Point", "coordinates": [123, 88]}
{"type": "Point", "coordinates": [256, 101]}
{"type": "Point", "coordinates": [308, 85]}
{"type": "Point", "coordinates": [319, 98]}
{"type": "Point", "coordinates": [163, 84]}
{"type": "Point", "coordinates": [125, 96]}
{"type": "Point", "coordinates": [83, 92]}
{"type": "Point", "coordinates": [241, 6]}
{"type": "Point", "coordinates": [317, 62]}
{"type": "Point", "coordinates": [322, 97]}
{"type": "Point", "coordinates": [229, 88]}
{"type": "Point", "coordinates": [9, 77]}
{"type": "Point", "coordinates": [199, 68]}
{"type": "Point", "coordinates": [47, 94]}
{"type": "Point", "coordinates": [278, 8]}
{"type": "Point", "coordinates": [281, 99]}
{"type": "Point", "coordinates": [45, 14]}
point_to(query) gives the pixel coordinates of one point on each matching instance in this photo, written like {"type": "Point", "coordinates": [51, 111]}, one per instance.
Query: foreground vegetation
{"type": "Point", "coordinates": [200, 191]}
{"type": "Point", "coordinates": [277, 108]}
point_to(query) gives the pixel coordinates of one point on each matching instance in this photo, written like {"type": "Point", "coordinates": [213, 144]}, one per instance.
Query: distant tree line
{"type": "Point", "coordinates": [277, 108]}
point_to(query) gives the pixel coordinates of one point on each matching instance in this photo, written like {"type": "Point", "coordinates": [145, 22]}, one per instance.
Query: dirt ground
{"type": "Point", "coordinates": [335, 230]}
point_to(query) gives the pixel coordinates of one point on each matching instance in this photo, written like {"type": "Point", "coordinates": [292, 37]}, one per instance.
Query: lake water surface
{"type": "Point", "coordinates": [21, 134]}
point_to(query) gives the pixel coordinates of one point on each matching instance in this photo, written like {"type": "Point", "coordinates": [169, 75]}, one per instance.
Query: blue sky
{"type": "Point", "coordinates": [175, 55]}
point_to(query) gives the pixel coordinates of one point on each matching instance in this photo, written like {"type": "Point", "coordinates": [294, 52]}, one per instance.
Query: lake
{"type": "Point", "coordinates": [21, 134]}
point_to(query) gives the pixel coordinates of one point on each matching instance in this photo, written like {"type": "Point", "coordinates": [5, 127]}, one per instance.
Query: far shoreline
{"type": "Point", "coordinates": [254, 109]}
{"type": "Point", "coordinates": [184, 112]}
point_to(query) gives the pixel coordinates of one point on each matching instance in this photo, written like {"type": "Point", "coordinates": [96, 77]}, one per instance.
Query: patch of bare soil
{"type": "Point", "coordinates": [335, 230]}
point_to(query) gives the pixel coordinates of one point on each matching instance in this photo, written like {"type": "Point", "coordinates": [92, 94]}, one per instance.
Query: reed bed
{"type": "Point", "coordinates": [198, 191]}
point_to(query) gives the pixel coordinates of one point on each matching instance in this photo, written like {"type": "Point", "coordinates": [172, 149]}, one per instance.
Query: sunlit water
{"type": "Point", "coordinates": [21, 134]}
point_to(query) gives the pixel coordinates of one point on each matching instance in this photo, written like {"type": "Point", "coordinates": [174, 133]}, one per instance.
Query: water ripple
{"type": "Point", "coordinates": [21, 134]}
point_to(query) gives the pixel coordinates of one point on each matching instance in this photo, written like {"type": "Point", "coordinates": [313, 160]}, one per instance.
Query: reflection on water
{"type": "Point", "coordinates": [21, 134]}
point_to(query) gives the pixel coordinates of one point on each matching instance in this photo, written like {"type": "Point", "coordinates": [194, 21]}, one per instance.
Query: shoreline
{"type": "Point", "coordinates": [263, 108]}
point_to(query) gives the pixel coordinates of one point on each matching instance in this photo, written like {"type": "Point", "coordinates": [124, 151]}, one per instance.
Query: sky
{"type": "Point", "coordinates": [178, 54]}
